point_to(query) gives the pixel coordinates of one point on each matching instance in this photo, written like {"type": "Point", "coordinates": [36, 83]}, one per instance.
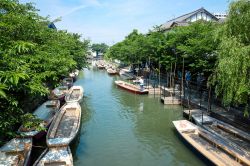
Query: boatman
{"type": "Point", "coordinates": [141, 83]}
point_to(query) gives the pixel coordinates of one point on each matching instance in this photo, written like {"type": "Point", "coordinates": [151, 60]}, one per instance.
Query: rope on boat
{"type": "Point", "coordinates": [35, 146]}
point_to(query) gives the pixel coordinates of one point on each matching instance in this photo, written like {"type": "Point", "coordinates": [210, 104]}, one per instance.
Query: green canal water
{"type": "Point", "coordinates": [123, 129]}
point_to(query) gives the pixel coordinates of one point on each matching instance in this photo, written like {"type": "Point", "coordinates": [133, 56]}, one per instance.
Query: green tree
{"type": "Point", "coordinates": [233, 67]}
{"type": "Point", "coordinates": [33, 58]}
{"type": "Point", "coordinates": [196, 43]}
{"type": "Point", "coordinates": [99, 48]}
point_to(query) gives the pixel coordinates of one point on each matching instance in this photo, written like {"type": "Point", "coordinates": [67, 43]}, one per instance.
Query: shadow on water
{"type": "Point", "coordinates": [85, 118]}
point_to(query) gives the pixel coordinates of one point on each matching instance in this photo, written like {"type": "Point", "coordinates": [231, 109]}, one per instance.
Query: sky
{"type": "Point", "coordinates": [109, 21]}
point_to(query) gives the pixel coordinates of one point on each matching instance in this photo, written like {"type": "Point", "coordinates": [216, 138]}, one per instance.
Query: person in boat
{"type": "Point", "coordinates": [141, 81]}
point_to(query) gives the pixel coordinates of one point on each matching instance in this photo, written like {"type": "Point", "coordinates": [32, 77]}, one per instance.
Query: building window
{"type": "Point", "coordinates": [193, 18]}
{"type": "Point", "coordinates": [208, 18]}
{"type": "Point", "coordinates": [204, 16]}
{"type": "Point", "coordinates": [198, 16]}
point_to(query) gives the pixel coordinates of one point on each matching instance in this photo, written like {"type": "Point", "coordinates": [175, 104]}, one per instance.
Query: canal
{"type": "Point", "coordinates": [123, 129]}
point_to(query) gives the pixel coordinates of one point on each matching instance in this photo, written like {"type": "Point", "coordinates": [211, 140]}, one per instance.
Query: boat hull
{"type": "Point", "coordinates": [214, 148]}
{"type": "Point", "coordinates": [75, 94]}
{"type": "Point", "coordinates": [58, 93]}
{"type": "Point", "coordinates": [132, 90]}
{"type": "Point", "coordinates": [65, 126]}
{"type": "Point", "coordinates": [68, 82]}
{"type": "Point", "coordinates": [46, 113]}
{"type": "Point", "coordinates": [11, 151]}
{"type": "Point", "coordinates": [55, 156]}
{"type": "Point", "coordinates": [110, 73]}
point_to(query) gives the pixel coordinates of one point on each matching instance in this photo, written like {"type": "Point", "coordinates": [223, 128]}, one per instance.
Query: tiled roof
{"type": "Point", "coordinates": [182, 19]}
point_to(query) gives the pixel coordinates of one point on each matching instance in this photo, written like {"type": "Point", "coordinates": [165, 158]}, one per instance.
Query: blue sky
{"type": "Point", "coordinates": [109, 21]}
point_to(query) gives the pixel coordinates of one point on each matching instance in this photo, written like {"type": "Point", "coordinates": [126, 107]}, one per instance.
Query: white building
{"type": "Point", "coordinates": [184, 20]}
{"type": "Point", "coordinates": [220, 15]}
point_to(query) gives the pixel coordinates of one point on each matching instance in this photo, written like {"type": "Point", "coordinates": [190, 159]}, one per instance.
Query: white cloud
{"type": "Point", "coordinates": [72, 10]}
{"type": "Point", "coordinates": [128, 8]}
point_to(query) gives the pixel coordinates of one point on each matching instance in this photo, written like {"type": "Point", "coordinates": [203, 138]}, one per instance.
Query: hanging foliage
{"type": "Point", "coordinates": [232, 76]}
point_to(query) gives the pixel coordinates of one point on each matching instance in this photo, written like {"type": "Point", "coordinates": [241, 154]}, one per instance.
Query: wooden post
{"type": "Point", "coordinates": [209, 100]}
{"type": "Point", "coordinates": [182, 81]}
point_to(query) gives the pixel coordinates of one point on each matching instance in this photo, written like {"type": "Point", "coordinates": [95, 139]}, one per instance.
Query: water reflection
{"type": "Point", "coordinates": [120, 128]}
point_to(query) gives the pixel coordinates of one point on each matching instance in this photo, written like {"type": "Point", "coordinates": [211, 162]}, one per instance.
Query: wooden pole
{"type": "Point", "coordinates": [159, 75]}
{"type": "Point", "coordinates": [182, 77]}
{"type": "Point", "coordinates": [209, 100]}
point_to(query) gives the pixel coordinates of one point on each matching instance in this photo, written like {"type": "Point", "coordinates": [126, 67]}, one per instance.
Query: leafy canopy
{"type": "Point", "coordinates": [33, 58]}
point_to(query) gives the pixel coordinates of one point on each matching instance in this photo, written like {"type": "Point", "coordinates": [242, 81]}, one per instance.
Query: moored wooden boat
{"type": "Point", "coordinates": [65, 125]}
{"type": "Point", "coordinates": [107, 66]}
{"type": "Point", "coordinates": [74, 74]}
{"type": "Point", "coordinates": [200, 119]}
{"type": "Point", "coordinates": [101, 66]}
{"type": "Point", "coordinates": [209, 145]}
{"type": "Point", "coordinates": [68, 81]}
{"type": "Point", "coordinates": [45, 113]}
{"type": "Point", "coordinates": [75, 94]}
{"type": "Point", "coordinates": [130, 87]}
{"type": "Point", "coordinates": [126, 74]}
{"type": "Point", "coordinates": [112, 71]}
{"type": "Point", "coordinates": [234, 136]}
{"type": "Point", "coordinates": [58, 93]}
{"type": "Point", "coordinates": [16, 152]}
{"type": "Point", "coordinates": [55, 156]}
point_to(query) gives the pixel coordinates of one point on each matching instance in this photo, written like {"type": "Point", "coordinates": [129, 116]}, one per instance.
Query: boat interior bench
{"type": "Point", "coordinates": [229, 148]}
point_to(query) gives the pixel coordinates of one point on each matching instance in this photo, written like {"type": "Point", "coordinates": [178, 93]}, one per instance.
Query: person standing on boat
{"type": "Point", "coordinates": [141, 83]}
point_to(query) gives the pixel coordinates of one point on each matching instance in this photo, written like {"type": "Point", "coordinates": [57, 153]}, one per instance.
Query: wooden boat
{"type": "Point", "coordinates": [130, 87]}
{"type": "Point", "coordinates": [75, 94]}
{"type": "Point", "coordinates": [46, 113]}
{"type": "Point", "coordinates": [55, 156]}
{"type": "Point", "coordinates": [209, 145]}
{"type": "Point", "coordinates": [112, 71]}
{"type": "Point", "coordinates": [58, 93]}
{"type": "Point", "coordinates": [126, 74]}
{"type": "Point", "coordinates": [101, 66]}
{"type": "Point", "coordinates": [16, 152]}
{"type": "Point", "coordinates": [65, 126]}
{"type": "Point", "coordinates": [107, 66]}
{"type": "Point", "coordinates": [188, 113]}
{"type": "Point", "coordinates": [200, 119]}
{"type": "Point", "coordinates": [74, 75]}
{"type": "Point", "coordinates": [234, 136]}
{"type": "Point", "coordinates": [68, 82]}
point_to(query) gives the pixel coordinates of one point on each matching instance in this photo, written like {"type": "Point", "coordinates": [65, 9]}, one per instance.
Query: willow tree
{"type": "Point", "coordinates": [232, 75]}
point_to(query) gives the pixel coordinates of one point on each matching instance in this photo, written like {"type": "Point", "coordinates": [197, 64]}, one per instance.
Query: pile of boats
{"type": "Point", "coordinates": [219, 142]}
{"type": "Point", "coordinates": [63, 124]}
{"type": "Point", "coordinates": [100, 64]}
{"type": "Point", "coordinates": [110, 68]}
